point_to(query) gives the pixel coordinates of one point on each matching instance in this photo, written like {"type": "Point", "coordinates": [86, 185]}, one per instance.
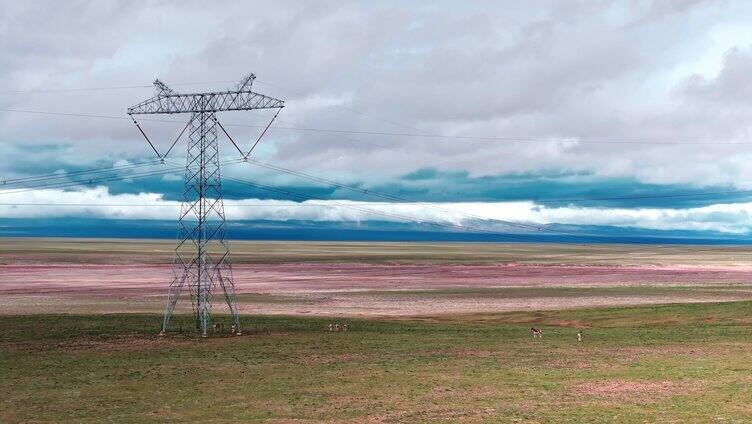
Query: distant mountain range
{"type": "Point", "coordinates": [363, 231]}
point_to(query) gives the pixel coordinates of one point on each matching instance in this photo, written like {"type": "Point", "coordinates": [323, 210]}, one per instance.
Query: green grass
{"type": "Point", "coordinates": [689, 363]}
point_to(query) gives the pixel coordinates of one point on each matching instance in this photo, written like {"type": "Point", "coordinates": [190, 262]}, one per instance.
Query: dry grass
{"type": "Point", "coordinates": [634, 391]}
{"type": "Point", "coordinates": [123, 251]}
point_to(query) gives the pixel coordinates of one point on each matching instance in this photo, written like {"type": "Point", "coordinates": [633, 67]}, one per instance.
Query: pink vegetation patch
{"type": "Point", "coordinates": [311, 278]}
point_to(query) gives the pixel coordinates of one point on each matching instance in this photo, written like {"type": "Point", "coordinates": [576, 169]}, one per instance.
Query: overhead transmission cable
{"type": "Point", "coordinates": [177, 205]}
{"type": "Point", "coordinates": [428, 205]}
{"type": "Point", "coordinates": [13, 182]}
{"type": "Point", "coordinates": [355, 111]}
{"type": "Point", "coordinates": [86, 181]}
{"type": "Point", "coordinates": [85, 89]}
{"type": "Point", "coordinates": [83, 180]}
{"type": "Point", "coordinates": [337, 184]}
{"type": "Point", "coordinates": [176, 167]}
{"type": "Point", "coordinates": [524, 237]}
{"type": "Point", "coordinates": [326, 202]}
{"type": "Point", "coordinates": [347, 109]}
{"type": "Point", "coordinates": [88, 89]}
{"type": "Point", "coordinates": [362, 190]}
{"type": "Point", "coordinates": [520, 237]}
{"type": "Point", "coordinates": [68, 174]}
{"type": "Point", "coordinates": [403, 200]}
{"type": "Point", "coordinates": [412, 135]}
{"type": "Point", "coordinates": [641, 196]}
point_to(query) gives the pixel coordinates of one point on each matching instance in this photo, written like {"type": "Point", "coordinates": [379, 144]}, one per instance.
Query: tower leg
{"type": "Point", "coordinates": [228, 288]}
{"type": "Point", "coordinates": [173, 293]}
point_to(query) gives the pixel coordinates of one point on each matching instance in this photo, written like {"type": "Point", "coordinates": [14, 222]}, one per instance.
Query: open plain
{"type": "Point", "coordinates": [373, 279]}
{"type": "Point", "coordinates": [437, 333]}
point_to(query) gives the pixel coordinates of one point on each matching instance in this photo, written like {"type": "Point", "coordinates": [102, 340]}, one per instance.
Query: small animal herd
{"type": "Point", "coordinates": [335, 326]}
{"type": "Point", "coordinates": [220, 328]}
{"type": "Point", "coordinates": [538, 333]}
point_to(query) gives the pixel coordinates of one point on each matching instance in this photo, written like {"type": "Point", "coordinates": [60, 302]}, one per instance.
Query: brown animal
{"type": "Point", "coordinates": [218, 327]}
{"type": "Point", "coordinates": [537, 332]}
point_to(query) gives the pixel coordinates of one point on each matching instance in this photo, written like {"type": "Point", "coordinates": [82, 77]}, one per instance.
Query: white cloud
{"type": "Point", "coordinates": [735, 218]}
{"type": "Point", "coordinates": [621, 70]}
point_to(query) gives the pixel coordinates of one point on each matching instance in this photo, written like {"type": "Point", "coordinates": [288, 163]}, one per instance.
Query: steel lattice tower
{"type": "Point", "coordinates": [201, 256]}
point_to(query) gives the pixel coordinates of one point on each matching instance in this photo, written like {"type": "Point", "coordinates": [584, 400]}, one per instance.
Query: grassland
{"type": "Point", "coordinates": [673, 363]}
{"type": "Point", "coordinates": [427, 342]}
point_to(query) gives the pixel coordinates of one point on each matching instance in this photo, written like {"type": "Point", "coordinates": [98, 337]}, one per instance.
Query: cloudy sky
{"type": "Point", "coordinates": [630, 115]}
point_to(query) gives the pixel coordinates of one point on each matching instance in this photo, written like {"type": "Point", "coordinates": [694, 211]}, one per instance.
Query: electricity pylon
{"type": "Point", "coordinates": [201, 257]}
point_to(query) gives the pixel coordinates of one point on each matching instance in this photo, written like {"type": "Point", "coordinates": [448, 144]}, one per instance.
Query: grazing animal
{"type": "Point", "coordinates": [537, 332]}
{"type": "Point", "coordinates": [579, 336]}
{"type": "Point", "coordinates": [218, 327]}
{"type": "Point", "coordinates": [335, 326]}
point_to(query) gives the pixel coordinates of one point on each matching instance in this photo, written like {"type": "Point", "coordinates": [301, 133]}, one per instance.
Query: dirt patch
{"type": "Point", "coordinates": [329, 359]}
{"type": "Point", "coordinates": [643, 391]}
{"type": "Point", "coordinates": [122, 344]}
{"type": "Point", "coordinates": [438, 415]}
{"type": "Point", "coordinates": [114, 345]}
{"type": "Point", "coordinates": [459, 353]}
{"type": "Point", "coordinates": [630, 354]}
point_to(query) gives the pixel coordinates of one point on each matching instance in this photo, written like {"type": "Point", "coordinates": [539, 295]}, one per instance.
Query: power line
{"type": "Point", "coordinates": [127, 87]}
{"type": "Point", "coordinates": [418, 203]}
{"type": "Point", "coordinates": [77, 115]}
{"type": "Point", "coordinates": [641, 196]}
{"type": "Point", "coordinates": [408, 201]}
{"type": "Point", "coordinates": [522, 237]}
{"type": "Point", "coordinates": [85, 89]}
{"type": "Point", "coordinates": [355, 111]}
{"type": "Point", "coordinates": [287, 192]}
{"type": "Point", "coordinates": [374, 212]}
{"type": "Point", "coordinates": [4, 183]}
{"type": "Point", "coordinates": [69, 174]}
{"type": "Point", "coordinates": [177, 204]}
{"type": "Point", "coordinates": [347, 109]}
{"type": "Point", "coordinates": [314, 178]}
{"type": "Point", "coordinates": [64, 90]}
{"type": "Point", "coordinates": [509, 223]}
{"type": "Point", "coordinates": [86, 181]}
{"type": "Point", "coordinates": [473, 138]}
{"type": "Point", "coordinates": [411, 135]}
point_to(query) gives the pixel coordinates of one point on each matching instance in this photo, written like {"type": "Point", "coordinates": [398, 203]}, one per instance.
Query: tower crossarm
{"type": "Point", "coordinates": [205, 102]}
